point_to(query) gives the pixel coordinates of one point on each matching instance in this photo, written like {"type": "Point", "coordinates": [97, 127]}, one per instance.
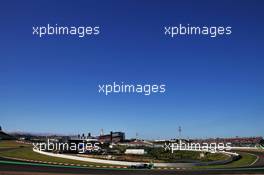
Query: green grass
{"type": "Point", "coordinates": [245, 160]}
{"type": "Point", "coordinates": [11, 144]}
{"type": "Point", "coordinates": [161, 155]}
{"type": "Point", "coordinates": [25, 152]}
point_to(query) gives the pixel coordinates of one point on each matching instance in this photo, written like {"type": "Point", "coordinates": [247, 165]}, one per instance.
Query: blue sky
{"type": "Point", "coordinates": [214, 87]}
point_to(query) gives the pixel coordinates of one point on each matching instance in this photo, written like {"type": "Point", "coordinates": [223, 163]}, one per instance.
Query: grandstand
{"type": "Point", "coordinates": [236, 142]}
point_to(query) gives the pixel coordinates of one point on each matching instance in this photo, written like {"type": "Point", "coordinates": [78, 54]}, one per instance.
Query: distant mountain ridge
{"type": "Point", "coordinates": [5, 136]}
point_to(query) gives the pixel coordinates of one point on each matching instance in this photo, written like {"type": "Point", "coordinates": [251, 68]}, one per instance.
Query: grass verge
{"type": "Point", "coordinates": [245, 160]}
{"type": "Point", "coordinates": [22, 151]}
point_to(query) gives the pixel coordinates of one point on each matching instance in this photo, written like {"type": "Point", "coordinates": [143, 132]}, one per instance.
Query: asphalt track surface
{"type": "Point", "coordinates": [260, 161]}
{"type": "Point", "coordinates": [11, 167]}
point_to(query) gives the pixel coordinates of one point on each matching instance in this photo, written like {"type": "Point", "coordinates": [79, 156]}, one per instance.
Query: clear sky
{"type": "Point", "coordinates": [214, 87]}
